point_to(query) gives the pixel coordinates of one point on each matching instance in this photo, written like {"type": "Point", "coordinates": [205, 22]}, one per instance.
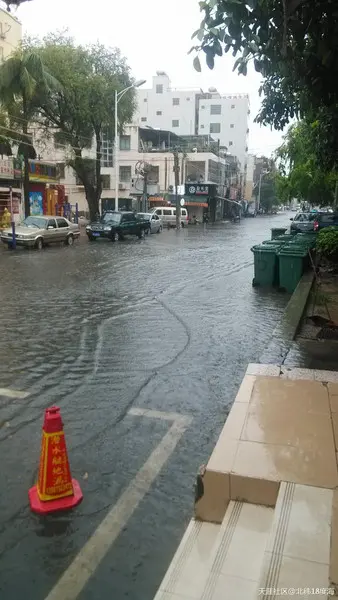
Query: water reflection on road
{"type": "Point", "coordinates": [167, 324]}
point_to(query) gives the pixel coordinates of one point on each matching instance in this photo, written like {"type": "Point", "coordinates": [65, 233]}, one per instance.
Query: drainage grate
{"type": "Point", "coordinates": [328, 333]}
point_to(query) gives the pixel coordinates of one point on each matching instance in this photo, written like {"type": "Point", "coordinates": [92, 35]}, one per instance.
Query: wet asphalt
{"type": "Point", "coordinates": [169, 324]}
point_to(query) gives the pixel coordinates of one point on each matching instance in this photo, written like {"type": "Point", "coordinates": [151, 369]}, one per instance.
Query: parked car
{"type": "Point", "coordinates": [37, 232]}
{"type": "Point", "coordinates": [168, 216]}
{"type": "Point", "coordinates": [313, 221]}
{"type": "Point", "coordinates": [303, 221]}
{"type": "Point", "coordinates": [325, 219]}
{"type": "Point", "coordinates": [155, 223]}
{"type": "Point", "coordinates": [116, 225]}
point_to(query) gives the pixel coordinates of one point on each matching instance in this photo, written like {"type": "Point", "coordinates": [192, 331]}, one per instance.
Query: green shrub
{"type": "Point", "coordinates": [327, 243]}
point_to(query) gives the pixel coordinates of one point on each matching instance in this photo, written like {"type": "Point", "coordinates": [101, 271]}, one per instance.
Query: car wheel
{"type": "Point", "coordinates": [39, 244]}
{"type": "Point", "coordinates": [115, 237]}
{"type": "Point", "coordinates": [147, 232]}
{"type": "Point", "coordinates": [183, 225]}
{"type": "Point", "coordinates": [159, 229]}
{"type": "Point", "coordinates": [70, 240]}
{"type": "Point", "coordinates": [91, 238]}
{"type": "Point", "coordinates": [10, 246]}
{"type": "Point", "coordinates": [141, 235]}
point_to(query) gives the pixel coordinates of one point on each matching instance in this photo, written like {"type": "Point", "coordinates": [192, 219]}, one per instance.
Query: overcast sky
{"type": "Point", "coordinates": [153, 35]}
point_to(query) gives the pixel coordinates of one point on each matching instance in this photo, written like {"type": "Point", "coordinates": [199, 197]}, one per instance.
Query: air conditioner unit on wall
{"type": "Point", "coordinates": [122, 186]}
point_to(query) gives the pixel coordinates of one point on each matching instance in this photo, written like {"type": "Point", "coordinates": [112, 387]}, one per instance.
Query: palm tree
{"type": "Point", "coordinates": [24, 82]}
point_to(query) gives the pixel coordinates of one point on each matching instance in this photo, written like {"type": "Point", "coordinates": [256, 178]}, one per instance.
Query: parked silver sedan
{"type": "Point", "coordinates": [155, 222]}
{"type": "Point", "coordinates": [37, 232]}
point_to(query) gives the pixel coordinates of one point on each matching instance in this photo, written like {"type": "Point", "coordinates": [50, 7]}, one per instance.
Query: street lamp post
{"type": "Point", "coordinates": [118, 96]}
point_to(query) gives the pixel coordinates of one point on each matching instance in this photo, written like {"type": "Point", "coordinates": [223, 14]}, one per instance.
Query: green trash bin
{"type": "Point", "coordinates": [306, 238]}
{"type": "Point", "coordinates": [265, 265]}
{"type": "Point", "coordinates": [292, 264]}
{"type": "Point", "coordinates": [276, 231]}
{"type": "Point", "coordinates": [286, 237]}
{"type": "Point", "coordinates": [274, 243]}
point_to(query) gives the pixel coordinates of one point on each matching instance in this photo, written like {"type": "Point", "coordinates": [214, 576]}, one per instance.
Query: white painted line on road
{"type": "Point", "coordinates": [13, 393]}
{"type": "Point", "coordinates": [157, 414]}
{"type": "Point", "coordinates": [88, 559]}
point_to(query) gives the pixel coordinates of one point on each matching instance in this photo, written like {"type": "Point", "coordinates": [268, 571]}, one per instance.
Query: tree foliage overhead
{"type": "Point", "coordinates": [299, 171]}
{"type": "Point", "coordinates": [292, 43]}
{"type": "Point", "coordinates": [24, 84]}
{"type": "Point", "coordinates": [83, 109]}
{"type": "Point", "coordinates": [16, 3]}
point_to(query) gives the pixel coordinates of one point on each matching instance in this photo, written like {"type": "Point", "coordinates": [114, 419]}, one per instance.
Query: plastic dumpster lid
{"type": "Point", "coordinates": [302, 252]}
{"type": "Point", "coordinates": [261, 248]}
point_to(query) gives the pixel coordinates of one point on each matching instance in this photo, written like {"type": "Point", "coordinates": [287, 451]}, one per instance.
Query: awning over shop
{"type": "Point", "coordinates": [229, 200]}
{"type": "Point", "coordinates": [203, 204]}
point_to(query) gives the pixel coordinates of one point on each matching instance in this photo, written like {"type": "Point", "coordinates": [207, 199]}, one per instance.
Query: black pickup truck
{"type": "Point", "coordinates": [115, 225]}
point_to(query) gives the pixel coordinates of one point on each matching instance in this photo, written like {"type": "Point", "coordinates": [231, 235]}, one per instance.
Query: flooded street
{"type": "Point", "coordinates": [167, 324]}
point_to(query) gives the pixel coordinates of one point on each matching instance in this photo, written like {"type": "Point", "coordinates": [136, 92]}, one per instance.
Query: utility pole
{"type": "Point", "coordinates": [145, 189]}
{"type": "Point", "coordinates": [177, 182]}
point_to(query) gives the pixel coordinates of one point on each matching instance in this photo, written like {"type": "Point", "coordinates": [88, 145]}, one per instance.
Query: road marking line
{"type": "Point", "coordinates": [157, 414]}
{"type": "Point", "coordinates": [13, 393]}
{"type": "Point", "coordinates": [88, 559]}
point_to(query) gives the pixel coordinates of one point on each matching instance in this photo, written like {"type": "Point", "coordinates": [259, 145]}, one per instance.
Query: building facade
{"type": "Point", "coordinates": [10, 34]}
{"type": "Point", "coordinates": [194, 112]}
{"type": "Point", "coordinates": [140, 148]}
{"type": "Point", "coordinates": [226, 119]}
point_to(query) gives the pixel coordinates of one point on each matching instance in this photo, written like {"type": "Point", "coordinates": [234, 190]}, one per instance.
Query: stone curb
{"type": "Point", "coordinates": [287, 329]}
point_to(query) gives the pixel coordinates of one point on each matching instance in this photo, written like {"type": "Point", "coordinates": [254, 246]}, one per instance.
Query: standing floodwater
{"type": "Point", "coordinates": [168, 324]}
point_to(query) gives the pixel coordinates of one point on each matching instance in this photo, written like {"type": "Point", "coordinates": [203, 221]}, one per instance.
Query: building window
{"type": "Point", "coordinates": [107, 148]}
{"type": "Point", "coordinates": [232, 126]}
{"type": "Point", "coordinates": [202, 126]}
{"type": "Point", "coordinates": [125, 174]}
{"type": "Point", "coordinates": [143, 119]}
{"type": "Point", "coordinates": [232, 106]}
{"type": "Point", "coordinates": [230, 143]}
{"type": "Point", "coordinates": [215, 128]}
{"type": "Point", "coordinates": [61, 170]}
{"type": "Point", "coordinates": [158, 112]}
{"type": "Point", "coordinates": [154, 174]}
{"type": "Point", "coordinates": [159, 88]}
{"type": "Point", "coordinates": [105, 181]}
{"type": "Point", "coordinates": [145, 99]}
{"type": "Point", "coordinates": [176, 101]}
{"type": "Point", "coordinates": [187, 99]}
{"type": "Point", "coordinates": [215, 109]}
{"type": "Point", "coordinates": [125, 142]}
{"type": "Point", "coordinates": [202, 107]}
{"type": "Point", "coordinates": [175, 123]}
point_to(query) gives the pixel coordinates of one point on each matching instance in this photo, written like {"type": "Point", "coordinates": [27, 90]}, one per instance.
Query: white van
{"type": "Point", "coordinates": [168, 216]}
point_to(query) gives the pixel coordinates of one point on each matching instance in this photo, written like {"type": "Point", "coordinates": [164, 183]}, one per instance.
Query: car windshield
{"type": "Point", "coordinates": [305, 217]}
{"type": "Point", "coordinates": [35, 222]}
{"type": "Point", "coordinates": [144, 216]}
{"type": "Point", "coordinates": [111, 218]}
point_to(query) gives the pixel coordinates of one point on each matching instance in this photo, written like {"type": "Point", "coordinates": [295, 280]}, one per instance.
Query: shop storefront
{"type": "Point", "coordinates": [10, 190]}
{"type": "Point", "coordinates": [199, 198]}
{"type": "Point", "coordinates": [46, 195]}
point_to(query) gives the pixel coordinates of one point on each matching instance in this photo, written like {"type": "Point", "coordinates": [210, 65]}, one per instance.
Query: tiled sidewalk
{"type": "Point", "coordinates": [267, 522]}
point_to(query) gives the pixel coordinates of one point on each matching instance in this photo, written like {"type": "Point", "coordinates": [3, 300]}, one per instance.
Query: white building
{"type": "Point", "coordinates": [226, 119]}
{"type": "Point", "coordinates": [163, 107]}
{"type": "Point", "coordinates": [10, 34]}
{"type": "Point", "coordinates": [191, 112]}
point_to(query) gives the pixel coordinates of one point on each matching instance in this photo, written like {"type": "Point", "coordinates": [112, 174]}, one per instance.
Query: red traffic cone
{"type": "Point", "coordinates": [55, 489]}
